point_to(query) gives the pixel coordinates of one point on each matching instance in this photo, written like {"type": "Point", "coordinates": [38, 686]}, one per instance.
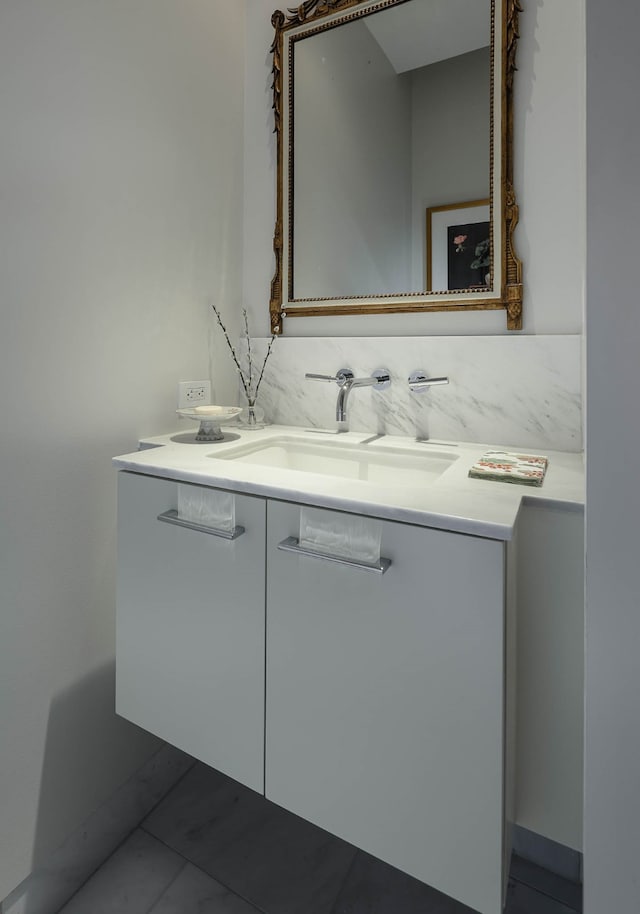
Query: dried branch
{"type": "Point", "coordinates": [231, 349]}
{"type": "Point", "coordinates": [246, 382]}
{"type": "Point", "coordinates": [246, 330]}
{"type": "Point", "coordinates": [271, 342]}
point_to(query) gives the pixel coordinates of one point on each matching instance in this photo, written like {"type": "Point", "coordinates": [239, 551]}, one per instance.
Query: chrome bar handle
{"type": "Point", "coordinates": [172, 517]}
{"type": "Point", "coordinates": [419, 381]}
{"type": "Point", "coordinates": [342, 376]}
{"type": "Point", "coordinates": [291, 544]}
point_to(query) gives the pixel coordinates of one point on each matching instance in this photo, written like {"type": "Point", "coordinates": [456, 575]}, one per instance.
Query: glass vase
{"type": "Point", "coordinates": [252, 416]}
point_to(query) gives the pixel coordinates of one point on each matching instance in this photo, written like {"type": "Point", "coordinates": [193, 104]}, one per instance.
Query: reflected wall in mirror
{"type": "Point", "coordinates": [385, 110]}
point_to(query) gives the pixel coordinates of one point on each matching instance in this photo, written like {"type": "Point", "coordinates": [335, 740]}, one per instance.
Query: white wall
{"type": "Point", "coordinates": [120, 176]}
{"type": "Point", "coordinates": [550, 672]}
{"type": "Point", "coordinates": [549, 144]}
{"type": "Point", "coordinates": [612, 746]}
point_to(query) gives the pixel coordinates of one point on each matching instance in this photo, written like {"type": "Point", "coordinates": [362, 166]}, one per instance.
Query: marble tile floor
{"type": "Point", "coordinates": [212, 846]}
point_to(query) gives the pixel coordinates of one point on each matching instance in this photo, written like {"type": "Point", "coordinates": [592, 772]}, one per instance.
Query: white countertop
{"type": "Point", "coordinates": [451, 502]}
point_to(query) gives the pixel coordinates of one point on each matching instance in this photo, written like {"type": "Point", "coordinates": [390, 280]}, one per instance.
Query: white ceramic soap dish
{"type": "Point", "coordinates": [210, 419]}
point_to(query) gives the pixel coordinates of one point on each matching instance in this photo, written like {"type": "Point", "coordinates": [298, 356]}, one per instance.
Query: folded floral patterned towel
{"type": "Point", "coordinates": [503, 466]}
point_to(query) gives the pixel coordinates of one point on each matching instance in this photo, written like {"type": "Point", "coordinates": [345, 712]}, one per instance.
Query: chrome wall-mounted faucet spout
{"type": "Point", "coordinates": [379, 380]}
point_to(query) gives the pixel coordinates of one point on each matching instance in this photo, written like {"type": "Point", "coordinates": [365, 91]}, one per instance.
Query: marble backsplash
{"type": "Point", "coordinates": [522, 391]}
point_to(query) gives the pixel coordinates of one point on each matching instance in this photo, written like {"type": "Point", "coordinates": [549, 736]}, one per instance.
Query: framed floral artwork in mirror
{"type": "Point", "coordinates": [459, 246]}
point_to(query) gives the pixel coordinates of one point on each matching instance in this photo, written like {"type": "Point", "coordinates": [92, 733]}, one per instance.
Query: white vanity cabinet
{"type": "Point", "coordinates": [386, 701]}
{"type": "Point", "coordinates": [383, 719]}
{"type": "Point", "coordinates": [190, 629]}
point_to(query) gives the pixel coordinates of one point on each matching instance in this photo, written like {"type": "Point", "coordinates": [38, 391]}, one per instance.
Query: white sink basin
{"type": "Point", "coordinates": [348, 460]}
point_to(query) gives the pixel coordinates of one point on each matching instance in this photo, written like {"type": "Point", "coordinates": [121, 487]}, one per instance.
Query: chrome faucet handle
{"type": "Point", "coordinates": [419, 381]}
{"type": "Point", "coordinates": [383, 377]}
{"type": "Point", "coordinates": [342, 376]}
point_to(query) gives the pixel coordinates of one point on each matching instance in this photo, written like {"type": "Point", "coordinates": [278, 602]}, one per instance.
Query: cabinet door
{"type": "Point", "coordinates": [190, 629]}
{"type": "Point", "coordinates": [385, 701]}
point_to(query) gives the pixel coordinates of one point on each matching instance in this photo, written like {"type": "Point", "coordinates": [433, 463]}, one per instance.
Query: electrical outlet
{"type": "Point", "coordinates": [193, 393]}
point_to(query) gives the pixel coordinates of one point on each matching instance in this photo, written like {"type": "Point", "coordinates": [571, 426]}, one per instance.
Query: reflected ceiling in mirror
{"type": "Point", "coordinates": [393, 156]}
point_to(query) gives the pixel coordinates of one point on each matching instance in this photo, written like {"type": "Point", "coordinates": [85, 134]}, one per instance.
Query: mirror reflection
{"type": "Point", "coordinates": [391, 134]}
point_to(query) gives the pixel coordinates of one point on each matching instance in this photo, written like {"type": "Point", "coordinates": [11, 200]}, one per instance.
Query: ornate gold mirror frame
{"type": "Point", "coordinates": [504, 280]}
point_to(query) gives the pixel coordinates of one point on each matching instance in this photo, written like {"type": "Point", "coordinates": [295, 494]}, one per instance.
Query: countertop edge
{"type": "Point", "coordinates": [420, 518]}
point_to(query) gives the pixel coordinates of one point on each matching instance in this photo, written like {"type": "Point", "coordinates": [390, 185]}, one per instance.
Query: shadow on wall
{"type": "Point", "coordinates": [83, 751]}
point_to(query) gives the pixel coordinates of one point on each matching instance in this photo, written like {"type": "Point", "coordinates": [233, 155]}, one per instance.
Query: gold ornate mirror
{"type": "Point", "coordinates": [394, 130]}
